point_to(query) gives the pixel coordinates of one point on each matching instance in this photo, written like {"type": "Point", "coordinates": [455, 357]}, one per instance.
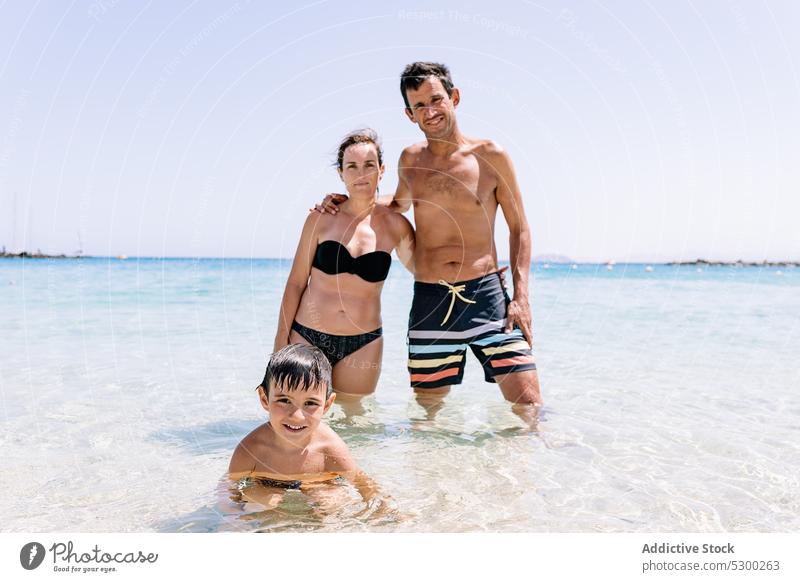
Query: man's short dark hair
{"type": "Point", "coordinates": [415, 74]}
{"type": "Point", "coordinates": [298, 366]}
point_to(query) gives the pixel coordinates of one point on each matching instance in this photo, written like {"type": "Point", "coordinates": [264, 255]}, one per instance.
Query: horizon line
{"type": "Point", "coordinates": [535, 260]}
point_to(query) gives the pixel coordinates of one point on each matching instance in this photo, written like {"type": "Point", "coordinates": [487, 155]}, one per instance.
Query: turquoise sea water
{"type": "Point", "coordinates": [671, 404]}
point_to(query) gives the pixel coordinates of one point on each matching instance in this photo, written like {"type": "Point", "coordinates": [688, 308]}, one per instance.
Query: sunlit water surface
{"type": "Point", "coordinates": [672, 405]}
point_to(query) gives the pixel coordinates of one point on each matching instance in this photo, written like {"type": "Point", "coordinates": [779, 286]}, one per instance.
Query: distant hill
{"type": "Point", "coordinates": [36, 255]}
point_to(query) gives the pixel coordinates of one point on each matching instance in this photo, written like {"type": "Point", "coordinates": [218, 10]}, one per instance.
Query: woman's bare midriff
{"type": "Point", "coordinates": [340, 304]}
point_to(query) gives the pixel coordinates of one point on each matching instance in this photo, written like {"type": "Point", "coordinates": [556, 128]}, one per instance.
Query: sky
{"type": "Point", "coordinates": [640, 131]}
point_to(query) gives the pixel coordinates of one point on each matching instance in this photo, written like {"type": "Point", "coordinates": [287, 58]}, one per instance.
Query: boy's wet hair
{"type": "Point", "coordinates": [364, 135]}
{"type": "Point", "coordinates": [415, 74]}
{"type": "Point", "coordinates": [298, 366]}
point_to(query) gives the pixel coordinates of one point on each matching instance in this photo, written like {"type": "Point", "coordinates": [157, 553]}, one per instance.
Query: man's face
{"type": "Point", "coordinates": [432, 109]}
{"type": "Point", "coordinates": [295, 414]}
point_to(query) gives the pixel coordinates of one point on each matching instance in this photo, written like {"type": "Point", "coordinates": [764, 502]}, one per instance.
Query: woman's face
{"type": "Point", "coordinates": [361, 170]}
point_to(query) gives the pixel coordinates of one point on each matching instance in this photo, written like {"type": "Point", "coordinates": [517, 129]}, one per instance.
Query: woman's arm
{"type": "Point", "coordinates": [298, 279]}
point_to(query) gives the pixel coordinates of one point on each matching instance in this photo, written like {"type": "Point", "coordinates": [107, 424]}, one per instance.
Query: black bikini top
{"type": "Point", "coordinates": [333, 258]}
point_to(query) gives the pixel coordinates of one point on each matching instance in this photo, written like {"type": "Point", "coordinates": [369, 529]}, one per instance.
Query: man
{"type": "Point", "coordinates": [456, 184]}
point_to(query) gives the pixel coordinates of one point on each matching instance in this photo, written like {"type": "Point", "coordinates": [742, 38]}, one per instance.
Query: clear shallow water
{"type": "Point", "coordinates": [672, 404]}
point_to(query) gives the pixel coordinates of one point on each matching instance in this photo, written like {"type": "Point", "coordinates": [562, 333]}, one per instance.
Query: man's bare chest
{"type": "Point", "coordinates": [456, 184]}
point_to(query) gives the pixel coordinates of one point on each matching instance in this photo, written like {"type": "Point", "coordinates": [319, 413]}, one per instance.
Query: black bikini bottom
{"type": "Point", "coordinates": [280, 484]}
{"type": "Point", "coordinates": [336, 347]}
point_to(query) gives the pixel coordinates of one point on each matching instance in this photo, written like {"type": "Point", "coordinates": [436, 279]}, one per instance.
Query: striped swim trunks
{"type": "Point", "coordinates": [447, 318]}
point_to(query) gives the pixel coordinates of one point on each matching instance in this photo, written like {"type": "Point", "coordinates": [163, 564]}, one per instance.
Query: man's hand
{"type": "Point", "coordinates": [519, 312]}
{"type": "Point", "coordinates": [330, 204]}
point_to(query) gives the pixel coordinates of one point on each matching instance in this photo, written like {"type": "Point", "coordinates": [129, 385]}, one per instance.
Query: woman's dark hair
{"type": "Point", "coordinates": [365, 135]}
{"type": "Point", "coordinates": [415, 74]}
{"type": "Point", "coordinates": [298, 366]}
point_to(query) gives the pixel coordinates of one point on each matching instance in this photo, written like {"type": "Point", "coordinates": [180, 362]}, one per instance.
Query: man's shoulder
{"type": "Point", "coordinates": [494, 156]}
{"type": "Point", "coordinates": [413, 150]}
{"type": "Point", "coordinates": [488, 148]}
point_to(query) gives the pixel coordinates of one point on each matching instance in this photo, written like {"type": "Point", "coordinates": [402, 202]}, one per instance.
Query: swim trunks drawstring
{"type": "Point", "coordinates": [455, 291]}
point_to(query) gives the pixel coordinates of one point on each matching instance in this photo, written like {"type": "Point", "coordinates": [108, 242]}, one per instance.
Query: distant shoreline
{"type": "Point", "coordinates": [739, 263]}
{"type": "Point", "coordinates": [535, 261]}
{"type": "Point", "coordinates": [37, 255]}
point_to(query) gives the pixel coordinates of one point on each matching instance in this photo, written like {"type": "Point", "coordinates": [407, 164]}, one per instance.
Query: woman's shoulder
{"type": "Point", "coordinates": [316, 219]}
{"type": "Point", "coordinates": [317, 225]}
{"type": "Point", "coordinates": [385, 214]}
{"type": "Point", "coordinates": [398, 224]}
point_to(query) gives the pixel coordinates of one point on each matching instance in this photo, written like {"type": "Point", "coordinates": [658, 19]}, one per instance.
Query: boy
{"type": "Point", "coordinates": [294, 445]}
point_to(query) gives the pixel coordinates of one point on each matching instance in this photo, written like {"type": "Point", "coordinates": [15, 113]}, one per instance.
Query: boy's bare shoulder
{"type": "Point", "coordinates": [326, 436]}
{"type": "Point", "coordinates": [337, 455]}
{"type": "Point", "coordinates": [251, 448]}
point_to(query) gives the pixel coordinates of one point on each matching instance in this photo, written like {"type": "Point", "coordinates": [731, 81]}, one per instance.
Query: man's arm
{"type": "Point", "coordinates": [401, 201]}
{"type": "Point", "coordinates": [405, 240]}
{"type": "Point", "coordinates": [510, 200]}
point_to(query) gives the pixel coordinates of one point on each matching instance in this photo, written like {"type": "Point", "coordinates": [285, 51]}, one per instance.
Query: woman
{"type": "Point", "coordinates": [332, 297]}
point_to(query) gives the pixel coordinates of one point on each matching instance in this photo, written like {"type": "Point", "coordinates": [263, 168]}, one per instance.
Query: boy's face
{"type": "Point", "coordinates": [432, 109]}
{"type": "Point", "coordinates": [295, 414]}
